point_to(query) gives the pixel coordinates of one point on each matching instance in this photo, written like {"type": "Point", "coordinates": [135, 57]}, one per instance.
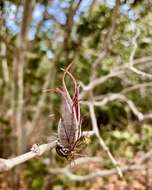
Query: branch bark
{"type": "Point", "coordinates": [19, 62]}
{"type": "Point", "coordinates": [120, 97]}
{"type": "Point", "coordinates": [100, 173]}
{"type": "Point", "coordinates": [131, 65]}
{"type": "Point", "coordinates": [101, 141]}
{"type": "Point", "coordinates": [69, 25]}
{"type": "Point", "coordinates": [138, 165]}
{"type": "Point", "coordinates": [7, 164]}
{"type": "Point", "coordinates": [118, 72]}
{"type": "Point", "coordinates": [36, 150]}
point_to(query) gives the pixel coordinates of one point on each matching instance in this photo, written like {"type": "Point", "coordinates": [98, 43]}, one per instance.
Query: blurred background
{"type": "Point", "coordinates": [110, 42]}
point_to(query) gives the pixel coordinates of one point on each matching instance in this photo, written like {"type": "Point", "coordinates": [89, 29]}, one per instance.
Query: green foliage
{"type": "Point", "coordinates": [35, 171]}
{"type": "Point", "coordinates": [100, 20]}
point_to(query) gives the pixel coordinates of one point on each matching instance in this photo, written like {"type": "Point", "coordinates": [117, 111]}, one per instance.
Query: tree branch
{"type": "Point", "coordinates": [19, 62]}
{"type": "Point", "coordinates": [139, 165]}
{"type": "Point", "coordinates": [100, 173]}
{"type": "Point", "coordinates": [131, 66]}
{"type": "Point", "coordinates": [7, 164]}
{"type": "Point", "coordinates": [121, 97]}
{"type": "Point", "coordinates": [102, 143]}
{"type": "Point", "coordinates": [36, 150]}
{"type": "Point", "coordinates": [69, 25]}
{"type": "Point", "coordinates": [115, 73]}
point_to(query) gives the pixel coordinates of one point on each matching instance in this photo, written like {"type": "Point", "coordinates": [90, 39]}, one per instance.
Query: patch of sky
{"type": "Point", "coordinates": [31, 33]}
{"type": "Point", "coordinates": [83, 6]}
{"type": "Point", "coordinates": [11, 17]}
{"type": "Point", "coordinates": [110, 3]}
{"type": "Point", "coordinates": [50, 54]}
{"type": "Point", "coordinates": [38, 13]}
{"type": "Point", "coordinates": [47, 25]}
{"type": "Point", "coordinates": [55, 10]}
{"type": "Point", "coordinates": [11, 25]}
{"type": "Point", "coordinates": [124, 8]}
{"type": "Point", "coordinates": [132, 15]}
{"type": "Point", "coordinates": [37, 16]}
{"type": "Point", "coordinates": [64, 4]}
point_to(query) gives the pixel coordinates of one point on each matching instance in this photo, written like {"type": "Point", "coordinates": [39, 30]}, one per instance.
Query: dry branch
{"type": "Point", "coordinates": [101, 141]}
{"type": "Point", "coordinates": [136, 87]}
{"type": "Point", "coordinates": [117, 72]}
{"type": "Point", "coordinates": [111, 97]}
{"type": "Point", "coordinates": [7, 164]}
{"type": "Point", "coordinates": [131, 65]}
{"type": "Point", "coordinates": [101, 173]}
{"type": "Point", "coordinates": [138, 165]}
{"type": "Point", "coordinates": [36, 150]}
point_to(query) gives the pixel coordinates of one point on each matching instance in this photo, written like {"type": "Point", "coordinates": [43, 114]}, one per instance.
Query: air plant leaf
{"type": "Point", "coordinates": [69, 129]}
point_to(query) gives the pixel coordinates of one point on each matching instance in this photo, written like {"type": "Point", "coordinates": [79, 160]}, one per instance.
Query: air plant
{"type": "Point", "coordinates": [69, 126]}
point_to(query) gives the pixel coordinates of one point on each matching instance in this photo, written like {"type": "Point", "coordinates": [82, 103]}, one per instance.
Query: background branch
{"type": "Point", "coordinates": [19, 63]}
{"type": "Point", "coordinates": [131, 66]}
{"type": "Point", "coordinates": [66, 171]}
{"type": "Point", "coordinates": [102, 143]}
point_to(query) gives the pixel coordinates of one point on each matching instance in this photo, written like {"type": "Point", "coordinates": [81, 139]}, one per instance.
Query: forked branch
{"type": "Point", "coordinates": [101, 141]}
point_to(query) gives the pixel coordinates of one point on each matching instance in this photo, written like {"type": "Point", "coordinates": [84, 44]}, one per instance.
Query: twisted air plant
{"type": "Point", "coordinates": [69, 127]}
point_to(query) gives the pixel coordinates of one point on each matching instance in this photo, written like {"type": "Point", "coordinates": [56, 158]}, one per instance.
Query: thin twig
{"type": "Point", "coordinates": [99, 81]}
{"type": "Point", "coordinates": [136, 87]}
{"type": "Point", "coordinates": [101, 141]}
{"type": "Point", "coordinates": [131, 66]}
{"type": "Point", "coordinates": [100, 173]}
{"type": "Point", "coordinates": [118, 72]}
{"type": "Point", "coordinates": [121, 97]}
{"type": "Point", "coordinates": [66, 171]}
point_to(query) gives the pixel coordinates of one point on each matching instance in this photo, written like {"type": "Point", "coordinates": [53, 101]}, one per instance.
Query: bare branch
{"type": "Point", "coordinates": [131, 66]}
{"type": "Point", "coordinates": [7, 164]}
{"type": "Point", "coordinates": [121, 97]}
{"type": "Point", "coordinates": [27, 15]}
{"type": "Point", "coordinates": [99, 81]}
{"type": "Point", "coordinates": [4, 63]}
{"type": "Point", "coordinates": [100, 173]}
{"type": "Point", "coordinates": [88, 133]}
{"type": "Point", "coordinates": [81, 161]}
{"type": "Point", "coordinates": [18, 71]}
{"type": "Point", "coordinates": [69, 24]}
{"type": "Point", "coordinates": [102, 143]}
{"type": "Point", "coordinates": [139, 165]}
{"type": "Point", "coordinates": [145, 157]}
{"type": "Point", "coordinates": [136, 87]}
{"type": "Point", "coordinates": [118, 72]}
{"type": "Point", "coordinates": [143, 74]}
